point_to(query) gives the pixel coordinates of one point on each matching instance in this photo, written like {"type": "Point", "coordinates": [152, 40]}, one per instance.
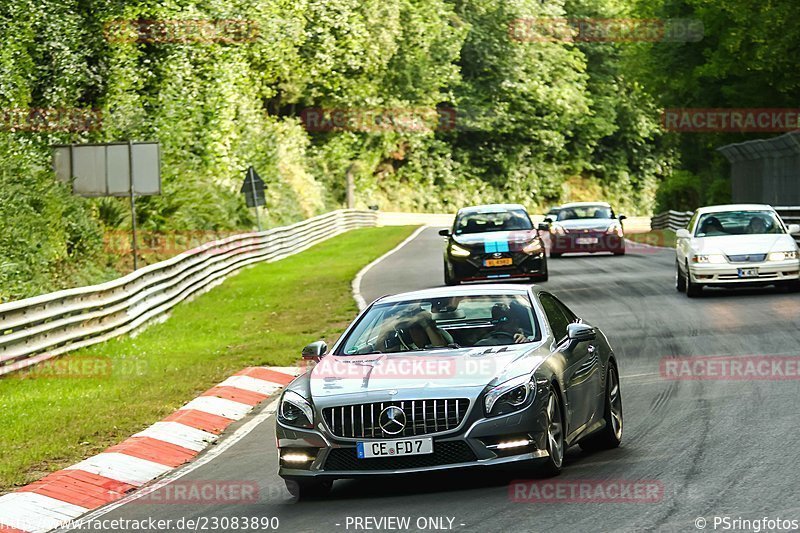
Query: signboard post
{"type": "Point", "coordinates": [253, 189]}
{"type": "Point", "coordinates": [111, 169]}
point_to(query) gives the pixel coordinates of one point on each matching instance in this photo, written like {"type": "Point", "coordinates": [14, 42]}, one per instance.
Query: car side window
{"type": "Point", "coordinates": [555, 315]}
{"type": "Point", "coordinates": [692, 220]}
{"type": "Point", "coordinates": [571, 317]}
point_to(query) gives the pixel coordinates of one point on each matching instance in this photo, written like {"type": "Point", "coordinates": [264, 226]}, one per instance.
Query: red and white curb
{"type": "Point", "coordinates": [67, 494]}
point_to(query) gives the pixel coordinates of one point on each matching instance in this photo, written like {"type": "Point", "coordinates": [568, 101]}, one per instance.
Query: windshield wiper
{"type": "Point", "coordinates": [451, 346]}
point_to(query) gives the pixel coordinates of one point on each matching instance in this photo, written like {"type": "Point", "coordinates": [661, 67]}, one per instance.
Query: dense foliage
{"type": "Point", "coordinates": [535, 121]}
{"type": "Point", "coordinates": [744, 60]}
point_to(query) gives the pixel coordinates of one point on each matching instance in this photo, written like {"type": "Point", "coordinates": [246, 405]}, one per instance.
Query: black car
{"type": "Point", "coordinates": [493, 242]}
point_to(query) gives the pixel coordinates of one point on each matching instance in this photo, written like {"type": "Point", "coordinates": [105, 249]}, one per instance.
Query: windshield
{"type": "Point", "coordinates": [738, 223]}
{"type": "Point", "coordinates": [510, 220]}
{"type": "Point", "coordinates": [585, 211]}
{"type": "Point", "coordinates": [451, 322]}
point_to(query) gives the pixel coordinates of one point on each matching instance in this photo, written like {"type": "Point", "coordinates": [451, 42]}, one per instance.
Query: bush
{"type": "Point", "coordinates": [680, 191]}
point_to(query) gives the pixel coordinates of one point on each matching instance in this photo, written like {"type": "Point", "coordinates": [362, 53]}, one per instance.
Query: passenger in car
{"type": "Point", "coordinates": [756, 226]}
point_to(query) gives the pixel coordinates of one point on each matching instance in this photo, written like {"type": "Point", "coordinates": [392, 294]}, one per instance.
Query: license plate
{"type": "Point", "coordinates": [748, 272]}
{"type": "Point", "coordinates": [394, 448]}
{"type": "Point", "coordinates": [498, 262]}
{"type": "Point", "coordinates": [586, 240]}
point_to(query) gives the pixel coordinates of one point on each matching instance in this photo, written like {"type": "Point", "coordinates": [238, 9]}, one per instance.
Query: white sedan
{"type": "Point", "coordinates": [727, 245]}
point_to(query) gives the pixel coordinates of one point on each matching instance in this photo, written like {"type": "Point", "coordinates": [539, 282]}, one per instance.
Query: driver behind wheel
{"type": "Point", "coordinates": [507, 328]}
{"type": "Point", "coordinates": [414, 330]}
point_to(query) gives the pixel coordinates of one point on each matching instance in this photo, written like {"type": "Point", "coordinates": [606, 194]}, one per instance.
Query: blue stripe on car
{"type": "Point", "coordinates": [491, 245]}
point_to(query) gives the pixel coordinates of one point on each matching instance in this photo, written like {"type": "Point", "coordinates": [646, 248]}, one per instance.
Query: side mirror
{"type": "Point", "coordinates": [548, 220]}
{"type": "Point", "coordinates": [794, 229]}
{"type": "Point", "coordinates": [682, 234]}
{"type": "Point", "coordinates": [581, 332]}
{"type": "Point", "coordinates": [445, 232]}
{"type": "Point", "coordinates": [621, 218]}
{"type": "Point", "coordinates": [315, 351]}
{"type": "Point", "coordinates": [543, 226]}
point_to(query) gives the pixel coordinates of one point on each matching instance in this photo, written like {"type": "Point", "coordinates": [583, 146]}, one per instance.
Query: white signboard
{"type": "Point", "coordinates": [105, 169]}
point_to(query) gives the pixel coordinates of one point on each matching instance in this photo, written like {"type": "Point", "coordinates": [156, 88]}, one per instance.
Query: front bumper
{"type": "Point", "coordinates": [523, 266]}
{"type": "Point", "coordinates": [579, 241]}
{"type": "Point", "coordinates": [474, 445]}
{"type": "Point", "coordinates": [728, 273]}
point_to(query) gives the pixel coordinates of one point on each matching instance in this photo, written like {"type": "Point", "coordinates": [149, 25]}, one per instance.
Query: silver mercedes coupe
{"type": "Point", "coordinates": [445, 378]}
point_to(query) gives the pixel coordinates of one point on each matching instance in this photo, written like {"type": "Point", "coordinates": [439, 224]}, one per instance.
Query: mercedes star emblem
{"type": "Point", "coordinates": [392, 420]}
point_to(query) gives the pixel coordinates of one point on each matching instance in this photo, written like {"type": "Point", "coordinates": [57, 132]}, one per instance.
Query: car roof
{"type": "Point", "coordinates": [583, 204]}
{"type": "Point", "coordinates": [734, 207]}
{"type": "Point", "coordinates": [482, 289]}
{"type": "Point", "coordinates": [491, 208]}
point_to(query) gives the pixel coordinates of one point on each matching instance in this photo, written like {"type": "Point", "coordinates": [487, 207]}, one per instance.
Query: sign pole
{"type": "Point", "coordinates": [133, 204]}
{"type": "Point", "coordinates": [253, 187]}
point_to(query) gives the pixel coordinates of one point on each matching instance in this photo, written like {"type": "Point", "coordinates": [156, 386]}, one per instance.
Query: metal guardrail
{"type": "Point", "coordinates": [35, 329]}
{"type": "Point", "coordinates": [673, 220]}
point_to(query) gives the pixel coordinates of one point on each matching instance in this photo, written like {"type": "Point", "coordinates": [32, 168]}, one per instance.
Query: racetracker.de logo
{"type": "Point", "coordinates": [378, 119]}
{"type": "Point", "coordinates": [481, 362]}
{"type": "Point", "coordinates": [570, 30]}
{"type": "Point", "coordinates": [50, 120]}
{"type": "Point", "coordinates": [83, 367]}
{"type": "Point", "coordinates": [586, 491]}
{"type": "Point", "coordinates": [731, 368]}
{"type": "Point", "coordinates": [703, 120]}
{"type": "Point", "coordinates": [188, 492]}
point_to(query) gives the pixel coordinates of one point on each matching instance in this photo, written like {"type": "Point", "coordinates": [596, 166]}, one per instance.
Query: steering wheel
{"type": "Point", "coordinates": [506, 333]}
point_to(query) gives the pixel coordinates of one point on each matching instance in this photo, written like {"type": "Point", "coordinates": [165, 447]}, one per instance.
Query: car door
{"type": "Point", "coordinates": [682, 246]}
{"type": "Point", "coordinates": [582, 376]}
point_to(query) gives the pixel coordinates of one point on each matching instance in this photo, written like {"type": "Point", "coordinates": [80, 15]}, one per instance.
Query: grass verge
{"type": "Point", "coordinates": [83, 403]}
{"type": "Point", "coordinates": [657, 237]}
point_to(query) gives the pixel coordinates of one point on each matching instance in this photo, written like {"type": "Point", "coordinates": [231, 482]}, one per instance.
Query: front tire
{"type": "Point", "coordinates": [448, 279]}
{"type": "Point", "coordinates": [555, 435]}
{"type": "Point", "coordinates": [303, 489]}
{"type": "Point", "coordinates": [611, 435]}
{"type": "Point", "coordinates": [680, 280]}
{"type": "Point", "coordinates": [693, 290]}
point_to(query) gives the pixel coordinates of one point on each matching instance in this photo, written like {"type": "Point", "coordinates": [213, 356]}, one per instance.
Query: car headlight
{"type": "Point", "coordinates": [714, 259]}
{"type": "Point", "coordinates": [295, 410]}
{"type": "Point", "coordinates": [458, 251]}
{"type": "Point", "coordinates": [614, 229]}
{"type": "Point", "coordinates": [782, 256]}
{"type": "Point", "coordinates": [510, 396]}
{"type": "Point", "coordinates": [534, 247]}
{"type": "Point", "coordinates": [558, 229]}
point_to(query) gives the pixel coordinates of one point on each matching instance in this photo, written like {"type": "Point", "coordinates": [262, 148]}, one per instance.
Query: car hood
{"type": "Point", "coordinates": [587, 223]}
{"type": "Point", "coordinates": [421, 374]}
{"type": "Point", "coordinates": [487, 240]}
{"type": "Point", "coordinates": [743, 244]}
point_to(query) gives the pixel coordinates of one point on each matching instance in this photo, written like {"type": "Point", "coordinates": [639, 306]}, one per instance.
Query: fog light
{"type": "Point", "coordinates": [296, 458]}
{"type": "Point", "coordinates": [513, 444]}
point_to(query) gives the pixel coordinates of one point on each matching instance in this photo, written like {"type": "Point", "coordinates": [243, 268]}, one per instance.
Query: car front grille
{"type": "Point", "coordinates": [422, 417]}
{"type": "Point", "coordinates": [747, 258]}
{"type": "Point", "coordinates": [444, 453]}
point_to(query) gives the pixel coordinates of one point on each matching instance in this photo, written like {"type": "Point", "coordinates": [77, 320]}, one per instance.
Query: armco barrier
{"type": "Point", "coordinates": [673, 220]}
{"type": "Point", "coordinates": [35, 329]}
